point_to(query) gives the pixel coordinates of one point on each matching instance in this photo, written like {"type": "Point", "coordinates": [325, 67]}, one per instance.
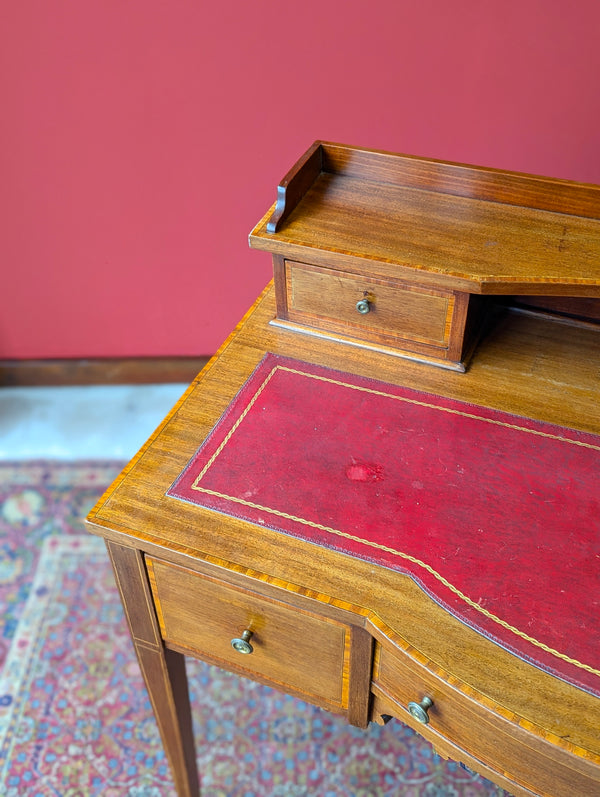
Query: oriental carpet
{"type": "Point", "coordinates": [75, 719]}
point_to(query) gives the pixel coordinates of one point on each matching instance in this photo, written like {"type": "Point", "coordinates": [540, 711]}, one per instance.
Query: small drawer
{"type": "Point", "coordinates": [291, 648]}
{"type": "Point", "coordinates": [372, 308]}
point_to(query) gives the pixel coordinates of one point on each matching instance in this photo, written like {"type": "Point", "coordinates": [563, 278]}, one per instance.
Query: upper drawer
{"type": "Point", "coordinates": [291, 647]}
{"type": "Point", "coordinates": [392, 312]}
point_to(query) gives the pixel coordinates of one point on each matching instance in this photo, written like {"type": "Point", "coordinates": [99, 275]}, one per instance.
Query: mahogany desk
{"type": "Point", "coordinates": [504, 718]}
{"type": "Point", "coordinates": [381, 642]}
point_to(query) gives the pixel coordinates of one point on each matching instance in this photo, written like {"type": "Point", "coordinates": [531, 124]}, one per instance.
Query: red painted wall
{"type": "Point", "coordinates": [142, 139]}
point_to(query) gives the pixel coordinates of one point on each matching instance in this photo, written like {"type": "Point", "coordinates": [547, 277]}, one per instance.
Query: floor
{"type": "Point", "coordinates": [92, 422]}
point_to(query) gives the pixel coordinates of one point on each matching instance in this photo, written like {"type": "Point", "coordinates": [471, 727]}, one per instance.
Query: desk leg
{"type": "Point", "coordinates": [163, 669]}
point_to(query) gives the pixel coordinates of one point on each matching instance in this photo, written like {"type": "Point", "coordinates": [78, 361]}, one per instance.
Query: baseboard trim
{"type": "Point", "coordinates": [99, 371]}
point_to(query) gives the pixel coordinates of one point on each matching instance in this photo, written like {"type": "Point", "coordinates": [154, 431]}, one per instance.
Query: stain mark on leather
{"type": "Point", "coordinates": [358, 471]}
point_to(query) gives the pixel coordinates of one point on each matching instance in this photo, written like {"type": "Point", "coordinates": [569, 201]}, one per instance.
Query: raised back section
{"type": "Point", "coordinates": [391, 251]}
{"type": "Point", "coordinates": [444, 225]}
{"type": "Point", "coordinates": [475, 182]}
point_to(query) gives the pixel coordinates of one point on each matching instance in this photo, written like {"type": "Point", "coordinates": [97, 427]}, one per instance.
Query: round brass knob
{"type": "Point", "coordinates": [363, 306]}
{"type": "Point", "coordinates": [419, 710]}
{"type": "Point", "coordinates": [242, 644]}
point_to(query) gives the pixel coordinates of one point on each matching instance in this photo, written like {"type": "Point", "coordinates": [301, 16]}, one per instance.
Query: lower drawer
{"type": "Point", "coordinates": [290, 647]}
{"type": "Point", "coordinates": [525, 758]}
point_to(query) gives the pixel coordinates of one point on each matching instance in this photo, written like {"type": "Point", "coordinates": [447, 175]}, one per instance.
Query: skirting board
{"type": "Point", "coordinates": [101, 371]}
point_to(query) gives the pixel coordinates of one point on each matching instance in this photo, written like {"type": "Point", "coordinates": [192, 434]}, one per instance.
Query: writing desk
{"type": "Point", "coordinates": [270, 605]}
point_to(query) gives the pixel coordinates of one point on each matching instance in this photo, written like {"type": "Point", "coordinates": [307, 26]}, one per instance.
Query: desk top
{"type": "Point", "coordinates": [527, 365]}
{"type": "Point", "coordinates": [430, 487]}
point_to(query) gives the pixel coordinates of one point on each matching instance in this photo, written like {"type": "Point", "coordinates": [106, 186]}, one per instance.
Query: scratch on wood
{"type": "Point", "coordinates": [562, 244]}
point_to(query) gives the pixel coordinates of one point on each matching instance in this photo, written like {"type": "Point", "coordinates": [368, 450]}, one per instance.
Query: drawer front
{"type": "Point", "coordinates": [292, 648]}
{"type": "Point", "coordinates": [490, 738]}
{"type": "Point", "coordinates": [397, 312]}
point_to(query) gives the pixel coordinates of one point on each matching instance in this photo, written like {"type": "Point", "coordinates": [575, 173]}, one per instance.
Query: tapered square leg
{"type": "Point", "coordinates": [163, 669]}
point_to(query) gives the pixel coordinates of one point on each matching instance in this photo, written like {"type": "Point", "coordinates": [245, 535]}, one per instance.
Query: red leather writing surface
{"type": "Point", "coordinates": [496, 517]}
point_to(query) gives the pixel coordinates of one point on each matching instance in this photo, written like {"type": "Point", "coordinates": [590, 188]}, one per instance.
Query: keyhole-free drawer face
{"type": "Point", "coordinates": [379, 312]}
{"type": "Point", "coordinates": [291, 648]}
{"type": "Point", "coordinates": [497, 739]}
{"type": "Point", "coordinates": [394, 312]}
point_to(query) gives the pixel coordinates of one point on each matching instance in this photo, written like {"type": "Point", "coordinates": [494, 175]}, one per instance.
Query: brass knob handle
{"type": "Point", "coordinates": [419, 710]}
{"type": "Point", "coordinates": [363, 306]}
{"type": "Point", "coordinates": [242, 645]}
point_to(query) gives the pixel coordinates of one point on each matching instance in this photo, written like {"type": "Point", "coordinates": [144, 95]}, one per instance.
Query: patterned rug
{"type": "Point", "coordinates": [75, 719]}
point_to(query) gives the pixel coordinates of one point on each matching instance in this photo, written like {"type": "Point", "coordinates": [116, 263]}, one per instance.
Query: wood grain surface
{"type": "Point", "coordinates": [527, 365]}
{"type": "Point", "coordinates": [453, 226]}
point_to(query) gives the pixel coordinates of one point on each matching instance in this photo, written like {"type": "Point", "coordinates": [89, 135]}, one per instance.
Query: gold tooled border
{"type": "Point", "coordinates": [400, 554]}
